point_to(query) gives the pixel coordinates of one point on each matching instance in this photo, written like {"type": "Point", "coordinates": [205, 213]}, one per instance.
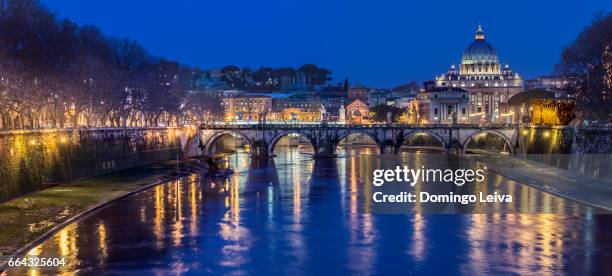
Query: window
{"type": "Point", "coordinates": [463, 111]}
{"type": "Point", "coordinates": [435, 111]}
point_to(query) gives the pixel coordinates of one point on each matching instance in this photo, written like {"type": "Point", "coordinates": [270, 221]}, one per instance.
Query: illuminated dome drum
{"type": "Point", "coordinates": [479, 58]}
{"type": "Point", "coordinates": [479, 51]}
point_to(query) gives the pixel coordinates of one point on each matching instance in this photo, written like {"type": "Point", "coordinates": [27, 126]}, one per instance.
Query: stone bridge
{"type": "Point", "coordinates": [325, 138]}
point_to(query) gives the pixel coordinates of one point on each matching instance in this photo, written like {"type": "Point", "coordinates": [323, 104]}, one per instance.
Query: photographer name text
{"type": "Point", "coordinates": [412, 176]}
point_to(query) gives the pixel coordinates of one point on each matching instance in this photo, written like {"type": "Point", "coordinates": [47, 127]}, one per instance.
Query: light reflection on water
{"type": "Point", "coordinates": [293, 214]}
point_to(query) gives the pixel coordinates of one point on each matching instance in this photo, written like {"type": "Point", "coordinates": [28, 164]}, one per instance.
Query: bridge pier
{"type": "Point", "coordinates": [454, 147]}
{"type": "Point", "coordinates": [388, 149]}
{"type": "Point", "coordinates": [260, 149]}
{"type": "Point", "coordinates": [324, 155]}
{"type": "Point", "coordinates": [260, 152]}
{"type": "Point", "coordinates": [326, 149]}
{"type": "Point", "coordinates": [387, 145]}
{"type": "Point", "coordinates": [454, 150]}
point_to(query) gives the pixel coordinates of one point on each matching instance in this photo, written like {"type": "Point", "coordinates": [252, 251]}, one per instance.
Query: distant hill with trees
{"type": "Point", "coordinates": [267, 78]}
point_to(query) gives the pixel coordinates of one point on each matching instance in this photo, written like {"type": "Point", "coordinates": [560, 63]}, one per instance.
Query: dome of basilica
{"type": "Point", "coordinates": [479, 51]}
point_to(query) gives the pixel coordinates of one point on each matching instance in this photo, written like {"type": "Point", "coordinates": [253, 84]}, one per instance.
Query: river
{"type": "Point", "coordinates": [297, 215]}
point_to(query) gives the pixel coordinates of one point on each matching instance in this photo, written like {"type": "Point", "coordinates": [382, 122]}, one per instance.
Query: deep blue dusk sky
{"type": "Point", "coordinates": [378, 43]}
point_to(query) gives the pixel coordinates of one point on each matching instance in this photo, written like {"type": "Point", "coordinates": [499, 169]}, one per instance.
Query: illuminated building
{"type": "Point", "coordinates": [395, 98]}
{"type": "Point", "coordinates": [246, 107]}
{"type": "Point", "coordinates": [357, 112]}
{"type": "Point", "coordinates": [443, 105]}
{"type": "Point", "coordinates": [541, 107]}
{"type": "Point", "coordinates": [549, 111]}
{"type": "Point", "coordinates": [489, 85]}
{"type": "Point", "coordinates": [296, 107]}
{"type": "Point", "coordinates": [301, 114]}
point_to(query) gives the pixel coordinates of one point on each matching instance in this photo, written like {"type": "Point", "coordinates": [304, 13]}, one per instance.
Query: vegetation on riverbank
{"type": "Point", "coordinates": [25, 218]}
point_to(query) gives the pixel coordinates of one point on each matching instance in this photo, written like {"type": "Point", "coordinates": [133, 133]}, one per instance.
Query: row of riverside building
{"type": "Point", "coordinates": [474, 92]}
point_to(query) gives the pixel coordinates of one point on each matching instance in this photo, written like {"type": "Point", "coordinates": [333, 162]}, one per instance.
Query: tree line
{"type": "Point", "coordinates": [268, 78]}
{"type": "Point", "coordinates": [55, 74]}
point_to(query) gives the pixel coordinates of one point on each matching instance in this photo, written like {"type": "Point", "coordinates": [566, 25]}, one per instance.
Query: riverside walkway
{"type": "Point", "coordinates": [594, 192]}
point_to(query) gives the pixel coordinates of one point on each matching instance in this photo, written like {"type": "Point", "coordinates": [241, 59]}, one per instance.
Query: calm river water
{"type": "Point", "coordinates": [295, 215]}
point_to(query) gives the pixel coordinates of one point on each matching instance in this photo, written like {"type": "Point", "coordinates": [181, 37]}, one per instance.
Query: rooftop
{"type": "Point", "coordinates": [445, 89]}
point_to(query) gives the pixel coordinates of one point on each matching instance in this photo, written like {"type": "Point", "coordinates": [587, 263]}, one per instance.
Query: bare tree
{"type": "Point", "coordinates": [583, 58]}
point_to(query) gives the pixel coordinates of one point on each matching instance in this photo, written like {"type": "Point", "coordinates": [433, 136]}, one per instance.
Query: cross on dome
{"type": "Point", "coordinates": [479, 33]}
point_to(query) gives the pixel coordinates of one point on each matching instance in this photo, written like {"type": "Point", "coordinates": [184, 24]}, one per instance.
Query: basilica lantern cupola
{"type": "Point", "coordinates": [479, 33]}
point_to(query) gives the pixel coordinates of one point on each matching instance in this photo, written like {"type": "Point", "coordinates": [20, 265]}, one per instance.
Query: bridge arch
{"type": "Point", "coordinates": [347, 133]}
{"type": "Point", "coordinates": [279, 136]}
{"type": "Point", "coordinates": [501, 135]}
{"type": "Point", "coordinates": [372, 136]}
{"type": "Point", "coordinates": [433, 134]}
{"type": "Point", "coordinates": [208, 144]}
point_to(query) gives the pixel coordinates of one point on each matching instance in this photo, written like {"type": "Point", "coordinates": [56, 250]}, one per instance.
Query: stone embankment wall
{"type": "Point", "coordinates": [593, 141]}
{"type": "Point", "coordinates": [582, 151]}
{"type": "Point", "coordinates": [31, 160]}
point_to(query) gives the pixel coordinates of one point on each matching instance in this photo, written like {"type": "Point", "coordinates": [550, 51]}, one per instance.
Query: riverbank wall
{"type": "Point", "coordinates": [36, 159]}
{"type": "Point", "coordinates": [581, 151]}
{"type": "Point", "coordinates": [565, 140]}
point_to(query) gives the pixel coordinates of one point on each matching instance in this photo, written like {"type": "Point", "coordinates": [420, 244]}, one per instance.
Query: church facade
{"type": "Point", "coordinates": [489, 84]}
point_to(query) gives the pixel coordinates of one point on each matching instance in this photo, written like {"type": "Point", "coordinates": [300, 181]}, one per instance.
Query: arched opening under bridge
{"type": "Point", "coordinates": [488, 142]}
{"type": "Point", "coordinates": [421, 141]}
{"type": "Point", "coordinates": [228, 142]}
{"type": "Point", "coordinates": [357, 143]}
{"type": "Point", "coordinates": [290, 143]}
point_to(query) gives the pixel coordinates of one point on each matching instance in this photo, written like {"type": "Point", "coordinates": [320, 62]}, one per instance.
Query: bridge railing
{"type": "Point", "coordinates": [332, 125]}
